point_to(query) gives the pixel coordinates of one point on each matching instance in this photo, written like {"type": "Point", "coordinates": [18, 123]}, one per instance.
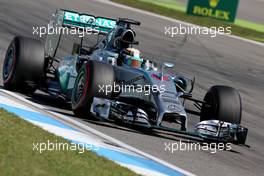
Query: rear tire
{"type": "Point", "coordinates": [23, 65]}
{"type": "Point", "coordinates": [224, 105]}
{"type": "Point", "coordinates": [91, 76]}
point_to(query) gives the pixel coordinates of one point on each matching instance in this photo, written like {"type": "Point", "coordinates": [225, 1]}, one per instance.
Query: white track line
{"type": "Point", "coordinates": [100, 134]}
{"type": "Point", "coordinates": [14, 103]}
{"type": "Point", "coordinates": [174, 20]}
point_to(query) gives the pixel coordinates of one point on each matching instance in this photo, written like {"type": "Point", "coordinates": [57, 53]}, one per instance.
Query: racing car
{"type": "Point", "coordinates": [113, 81]}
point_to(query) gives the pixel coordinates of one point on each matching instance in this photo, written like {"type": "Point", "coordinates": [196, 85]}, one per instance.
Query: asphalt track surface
{"type": "Point", "coordinates": [221, 60]}
{"type": "Point", "coordinates": [251, 10]}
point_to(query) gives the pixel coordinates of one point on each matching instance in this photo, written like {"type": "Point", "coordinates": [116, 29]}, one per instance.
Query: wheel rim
{"type": "Point", "coordinates": [8, 63]}
{"type": "Point", "coordinates": [80, 87]}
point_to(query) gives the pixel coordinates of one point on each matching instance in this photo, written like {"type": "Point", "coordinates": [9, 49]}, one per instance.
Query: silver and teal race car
{"type": "Point", "coordinates": [113, 81]}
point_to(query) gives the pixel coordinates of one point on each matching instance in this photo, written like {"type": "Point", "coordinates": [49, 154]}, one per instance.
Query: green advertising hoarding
{"type": "Point", "coordinates": [219, 9]}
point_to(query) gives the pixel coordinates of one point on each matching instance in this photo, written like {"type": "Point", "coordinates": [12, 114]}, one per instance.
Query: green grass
{"type": "Point", "coordinates": [238, 30]}
{"type": "Point", "coordinates": [250, 25]}
{"type": "Point", "coordinates": [17, 156]}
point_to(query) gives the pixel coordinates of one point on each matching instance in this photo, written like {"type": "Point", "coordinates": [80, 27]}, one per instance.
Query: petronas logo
{"type": "Point", "coordinates": [213, 3]}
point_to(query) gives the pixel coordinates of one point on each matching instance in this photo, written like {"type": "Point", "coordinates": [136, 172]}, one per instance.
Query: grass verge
{"type": "Point", "coordinates": [202, 21]}
{"type": "Point", "coordinates": [18, 157]}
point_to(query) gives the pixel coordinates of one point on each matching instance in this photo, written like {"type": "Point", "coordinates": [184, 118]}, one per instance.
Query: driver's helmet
{"type": "Point", "coordinates": [132, 57]}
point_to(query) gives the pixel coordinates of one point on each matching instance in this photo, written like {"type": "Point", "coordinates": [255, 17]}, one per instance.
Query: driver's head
{"type": "Point", "coordinates": [132, 57]}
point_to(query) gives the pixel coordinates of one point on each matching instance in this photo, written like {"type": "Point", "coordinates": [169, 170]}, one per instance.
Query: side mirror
{"type": "Point", "coordinates": [168, 65]}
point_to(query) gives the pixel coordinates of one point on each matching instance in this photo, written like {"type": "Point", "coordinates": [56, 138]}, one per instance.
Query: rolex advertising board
{"type": "Point", "coordinates": [219, 9]}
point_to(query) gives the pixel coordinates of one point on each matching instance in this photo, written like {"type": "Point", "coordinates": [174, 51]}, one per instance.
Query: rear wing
{"type": "Point", "coordinates": [71, 19]}
{"type": "Point", "coordinates": [100, 24]}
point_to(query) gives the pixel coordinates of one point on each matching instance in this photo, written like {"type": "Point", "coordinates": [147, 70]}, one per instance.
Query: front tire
{"type": "Point", "coordinates": [91, 77]}
{"type": "Point", "coordinates": [23, 65]}
{"type": "Point", "coordinates": [222, 103]}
